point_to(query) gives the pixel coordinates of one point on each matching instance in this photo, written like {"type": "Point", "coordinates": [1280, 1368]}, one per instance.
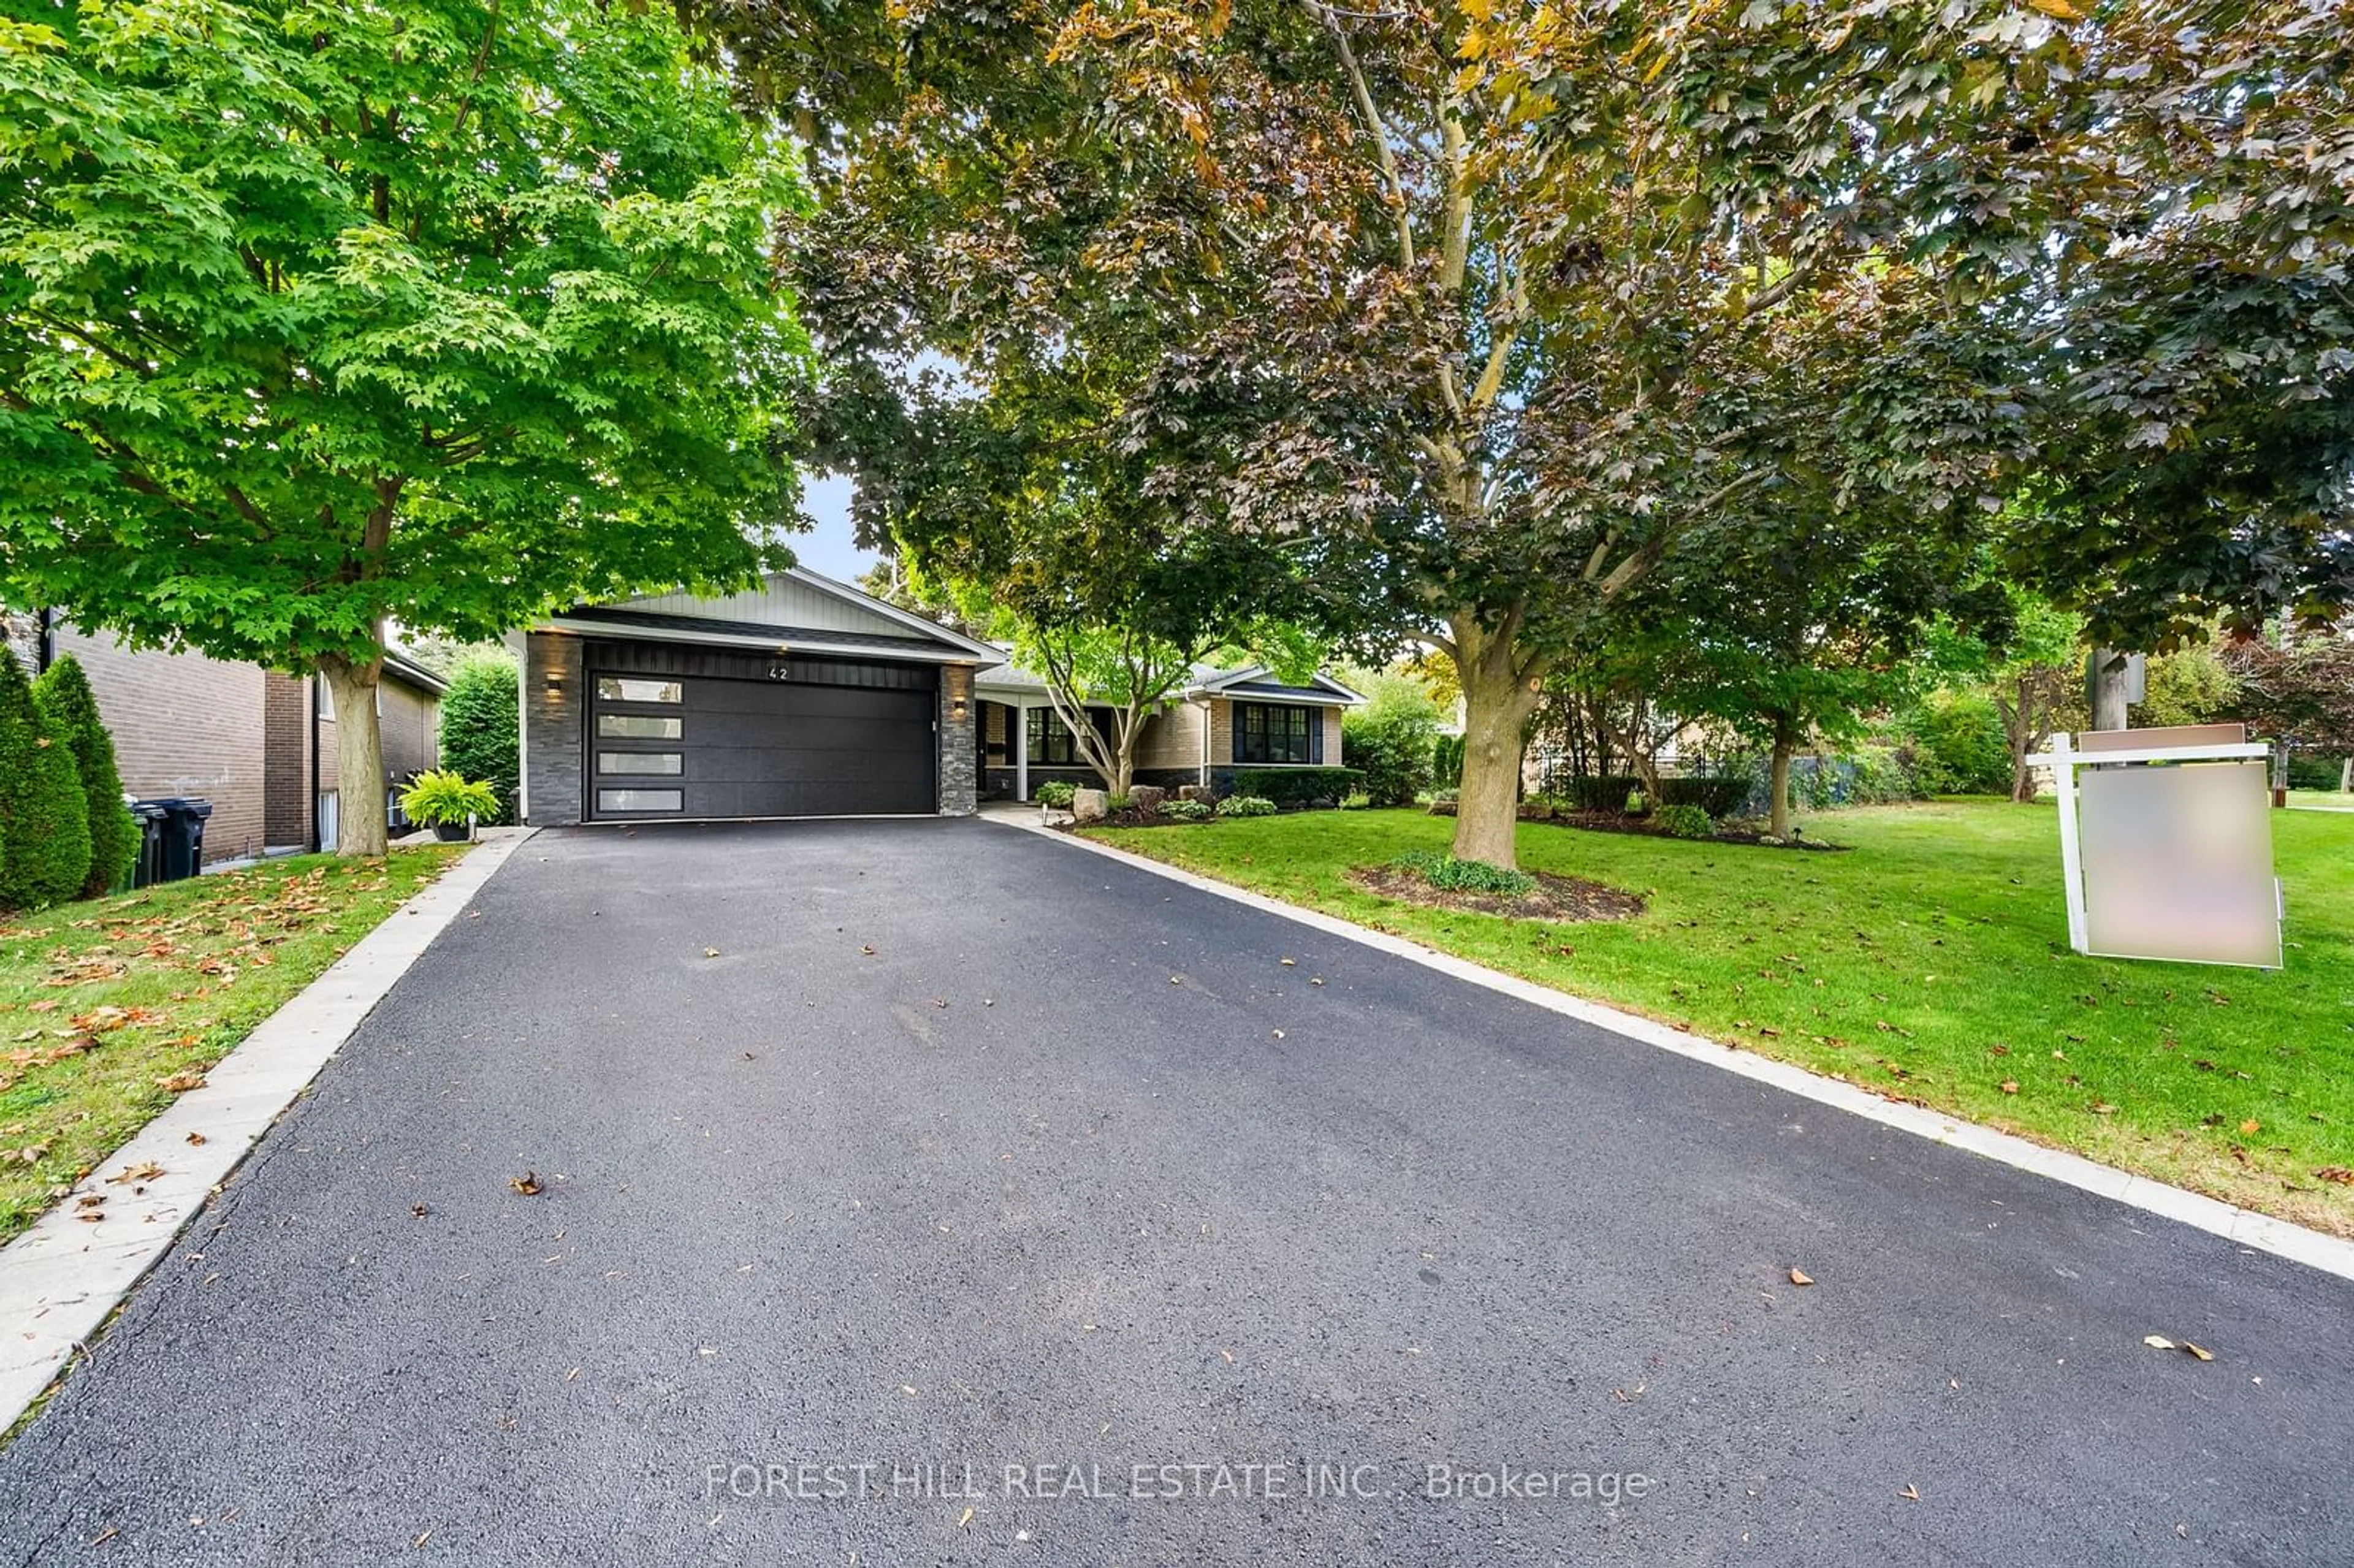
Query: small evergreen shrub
{"type": "Point", "coordinates": [1447, 762]}
{"type": "Point", "coordinates": [65, 699]}
{"type": "Point", "coordinates": [1717, 795]}
{"type": "Point", "coordinates": [1683, 821]}
{"type": "Point", "coordinates": [1451, 875]}
{"type": "Point", "coordinates": [1187, 811]}
{"type": "Point", "coordinates": [1246, 806]}
{"type": "Point", "coordinates": [44, 815]}
{"type": "Point", "coordinates": [1118, 803]}
{"type": "Point", "coordinates": [1057, 793]}
{"type": "Point", "coordinates": [478, 729]}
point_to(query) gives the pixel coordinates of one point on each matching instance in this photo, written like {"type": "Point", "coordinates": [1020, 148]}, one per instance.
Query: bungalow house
{"type": "Point", "coordinates": [806, 697]}
{"type": "Point", "coordinates": [1225, 719]}
{"type": "Point", "coordinates": [260, 746]}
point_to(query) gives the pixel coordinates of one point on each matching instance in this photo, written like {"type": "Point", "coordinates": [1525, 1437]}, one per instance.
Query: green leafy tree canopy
{"type": "Point", "coordinates": [315, 314]}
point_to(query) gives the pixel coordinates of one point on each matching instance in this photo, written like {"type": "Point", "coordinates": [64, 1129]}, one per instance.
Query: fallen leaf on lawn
{"type": "Point", "coordinates": [2011, 1085]}
{"type": "Point", "coordinates": [1800, 1277]}
{"type": "Point", "coordinates": [2252, 1124]}
{"type": "Point", "coordinates": [2340, 1174]}
{"type": "Point", "coordinates": [1911, 1492]}
{"type": "Point", "coordinates": [103, 1020]}
{"type": "Point", "coordinates": [46, 1004]}
{"type": "Point", "coordinates": [527, 1183]}
{"type": "Point", "coordinates": [2158, 1342]}
{"type": "Point", "coordinates": [181, 1083]}
{"type": "Point", "coordinates": [2103, 1107]}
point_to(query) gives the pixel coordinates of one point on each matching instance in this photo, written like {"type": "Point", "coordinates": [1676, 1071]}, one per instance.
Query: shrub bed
{"type": "Point", "coordinates": [1297, 786]}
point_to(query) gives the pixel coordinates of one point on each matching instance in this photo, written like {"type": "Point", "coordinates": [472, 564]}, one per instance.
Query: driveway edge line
{"type": "Point", "coordinates": [60, 1280]}
{"type": "Point", "coordinates": [2299, 1244]}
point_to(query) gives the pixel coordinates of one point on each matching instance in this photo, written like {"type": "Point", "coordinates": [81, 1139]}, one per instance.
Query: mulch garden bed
{"type": "Point", "coordinates": [1556, 897]}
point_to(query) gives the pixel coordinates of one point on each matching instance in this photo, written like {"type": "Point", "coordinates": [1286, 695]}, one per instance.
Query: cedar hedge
{"type": "Point", "coordinates": [70, 708]}
{"type": "Point", "coordinates": [43, 818]}
{"type": "Point", "coordinates": [478, 729]}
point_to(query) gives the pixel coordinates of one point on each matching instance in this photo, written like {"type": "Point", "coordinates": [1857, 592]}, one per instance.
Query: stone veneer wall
{"type": "Point", "coordinates": [959, 759]}
{"type": "Point", "coordinates": [551, 725]}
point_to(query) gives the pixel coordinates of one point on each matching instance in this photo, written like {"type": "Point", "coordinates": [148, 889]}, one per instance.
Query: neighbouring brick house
{"type": "Point", "coordinates": [258, 745]}
{"type": "Point", "coordinates": [806, 697]}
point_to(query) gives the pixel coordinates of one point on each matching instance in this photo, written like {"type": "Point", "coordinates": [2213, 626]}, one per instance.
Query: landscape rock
{"type": "Point", "coordinates": [1090, 805]}
{"type": "Point", "coordinates": [1147, 797]}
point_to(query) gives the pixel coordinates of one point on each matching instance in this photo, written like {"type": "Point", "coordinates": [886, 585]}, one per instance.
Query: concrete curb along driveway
{"type": "Point", "coordinates": [60, 1279]}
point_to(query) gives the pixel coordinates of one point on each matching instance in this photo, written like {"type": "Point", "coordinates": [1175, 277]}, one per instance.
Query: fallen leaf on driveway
{"type": "Point", "coordinates": [2203, 1355]}
{"type": "Point", "coordinates": [527, 1183]}
{"type": "Point", "coordinates": [966, 1520]}
{"type": "Point", "coordinates": [866, 949]}
{"type": "Point", "coordinates": [1288, 963]}
{"type": "Point", "coordinates": [2158, 1342]}
{"type": "Point", "coordinates": [1911, 1492]}
{"type": "Point", "coordinates": [1800, 1277]}
{"type": "Point", "coordinates": [710, 952]}
{"type": "Point", "coordinates": [147, 1173]}
{"type": "Point", "coordinates": [197, 1140]}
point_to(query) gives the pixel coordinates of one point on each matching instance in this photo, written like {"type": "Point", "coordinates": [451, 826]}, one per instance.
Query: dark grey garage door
{"type": "Point", "coordinates": [677, 744]}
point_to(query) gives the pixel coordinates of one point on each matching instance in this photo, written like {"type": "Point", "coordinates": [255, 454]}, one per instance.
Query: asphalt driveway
{"type": "Point", "coordinates": [941, 1148]}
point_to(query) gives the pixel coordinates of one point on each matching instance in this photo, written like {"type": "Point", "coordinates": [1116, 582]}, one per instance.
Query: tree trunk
{"type": "Point", "coordinates": [2018, 728]}
{"type": "Point", "coordinates": [1785, 741]}
{"type": "Point", "coordinates": [1496, 703]}
{"type": "Point", "coordinates": [359, 755]}
{"type": "Point", "coordinates": [2104, 689]}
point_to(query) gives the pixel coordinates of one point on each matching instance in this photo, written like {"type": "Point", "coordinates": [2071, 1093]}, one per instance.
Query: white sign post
{"type": "Point", "coordinates": [2168, 853]}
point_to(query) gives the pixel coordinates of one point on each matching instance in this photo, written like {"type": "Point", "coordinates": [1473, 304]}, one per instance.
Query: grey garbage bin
{"type": "Point", "coordinates": [148, 868]}
{"type": "Point", "coordinates": [182, 853]}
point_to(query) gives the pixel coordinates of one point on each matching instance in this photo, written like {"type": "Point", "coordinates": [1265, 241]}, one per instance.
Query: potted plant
{"type": "Point", "coordinates": [449, 803]}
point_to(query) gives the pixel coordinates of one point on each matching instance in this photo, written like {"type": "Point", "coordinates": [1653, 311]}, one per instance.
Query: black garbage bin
{"type": "Point", "coordinates": [148, 868]}
{"type": "Point", "coordinates": [182, 853]}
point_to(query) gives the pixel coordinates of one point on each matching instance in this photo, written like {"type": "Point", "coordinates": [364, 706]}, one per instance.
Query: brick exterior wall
{"type": "Point", "coordinates": [412, 730]}
{"type": "Point", "coordinates": [1332, 758]}
{"type": "Point", "coordinates": [286, 761]}
{"type": "Point", "coordinates": [185, 725]}
{"type": "Point", "coordinates": [1221, 733]}
{"type": "Point", "coordinates": [552, 699]}
{"type": "Point", "coordinates": [1172, 739]}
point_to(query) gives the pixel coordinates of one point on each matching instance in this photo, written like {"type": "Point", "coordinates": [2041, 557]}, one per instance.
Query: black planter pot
{"type": "Point", "coordinates": [453, 832]}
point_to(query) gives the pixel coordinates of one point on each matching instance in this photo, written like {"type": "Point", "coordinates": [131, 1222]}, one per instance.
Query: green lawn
{"type": "Point", "coordinates": [109, 1008]}
{"type": "Point", "coordinates": [1930, 963]}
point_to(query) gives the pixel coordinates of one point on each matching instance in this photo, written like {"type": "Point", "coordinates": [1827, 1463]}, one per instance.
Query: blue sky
{"type": "Point", "coordinates": [828, 547]}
